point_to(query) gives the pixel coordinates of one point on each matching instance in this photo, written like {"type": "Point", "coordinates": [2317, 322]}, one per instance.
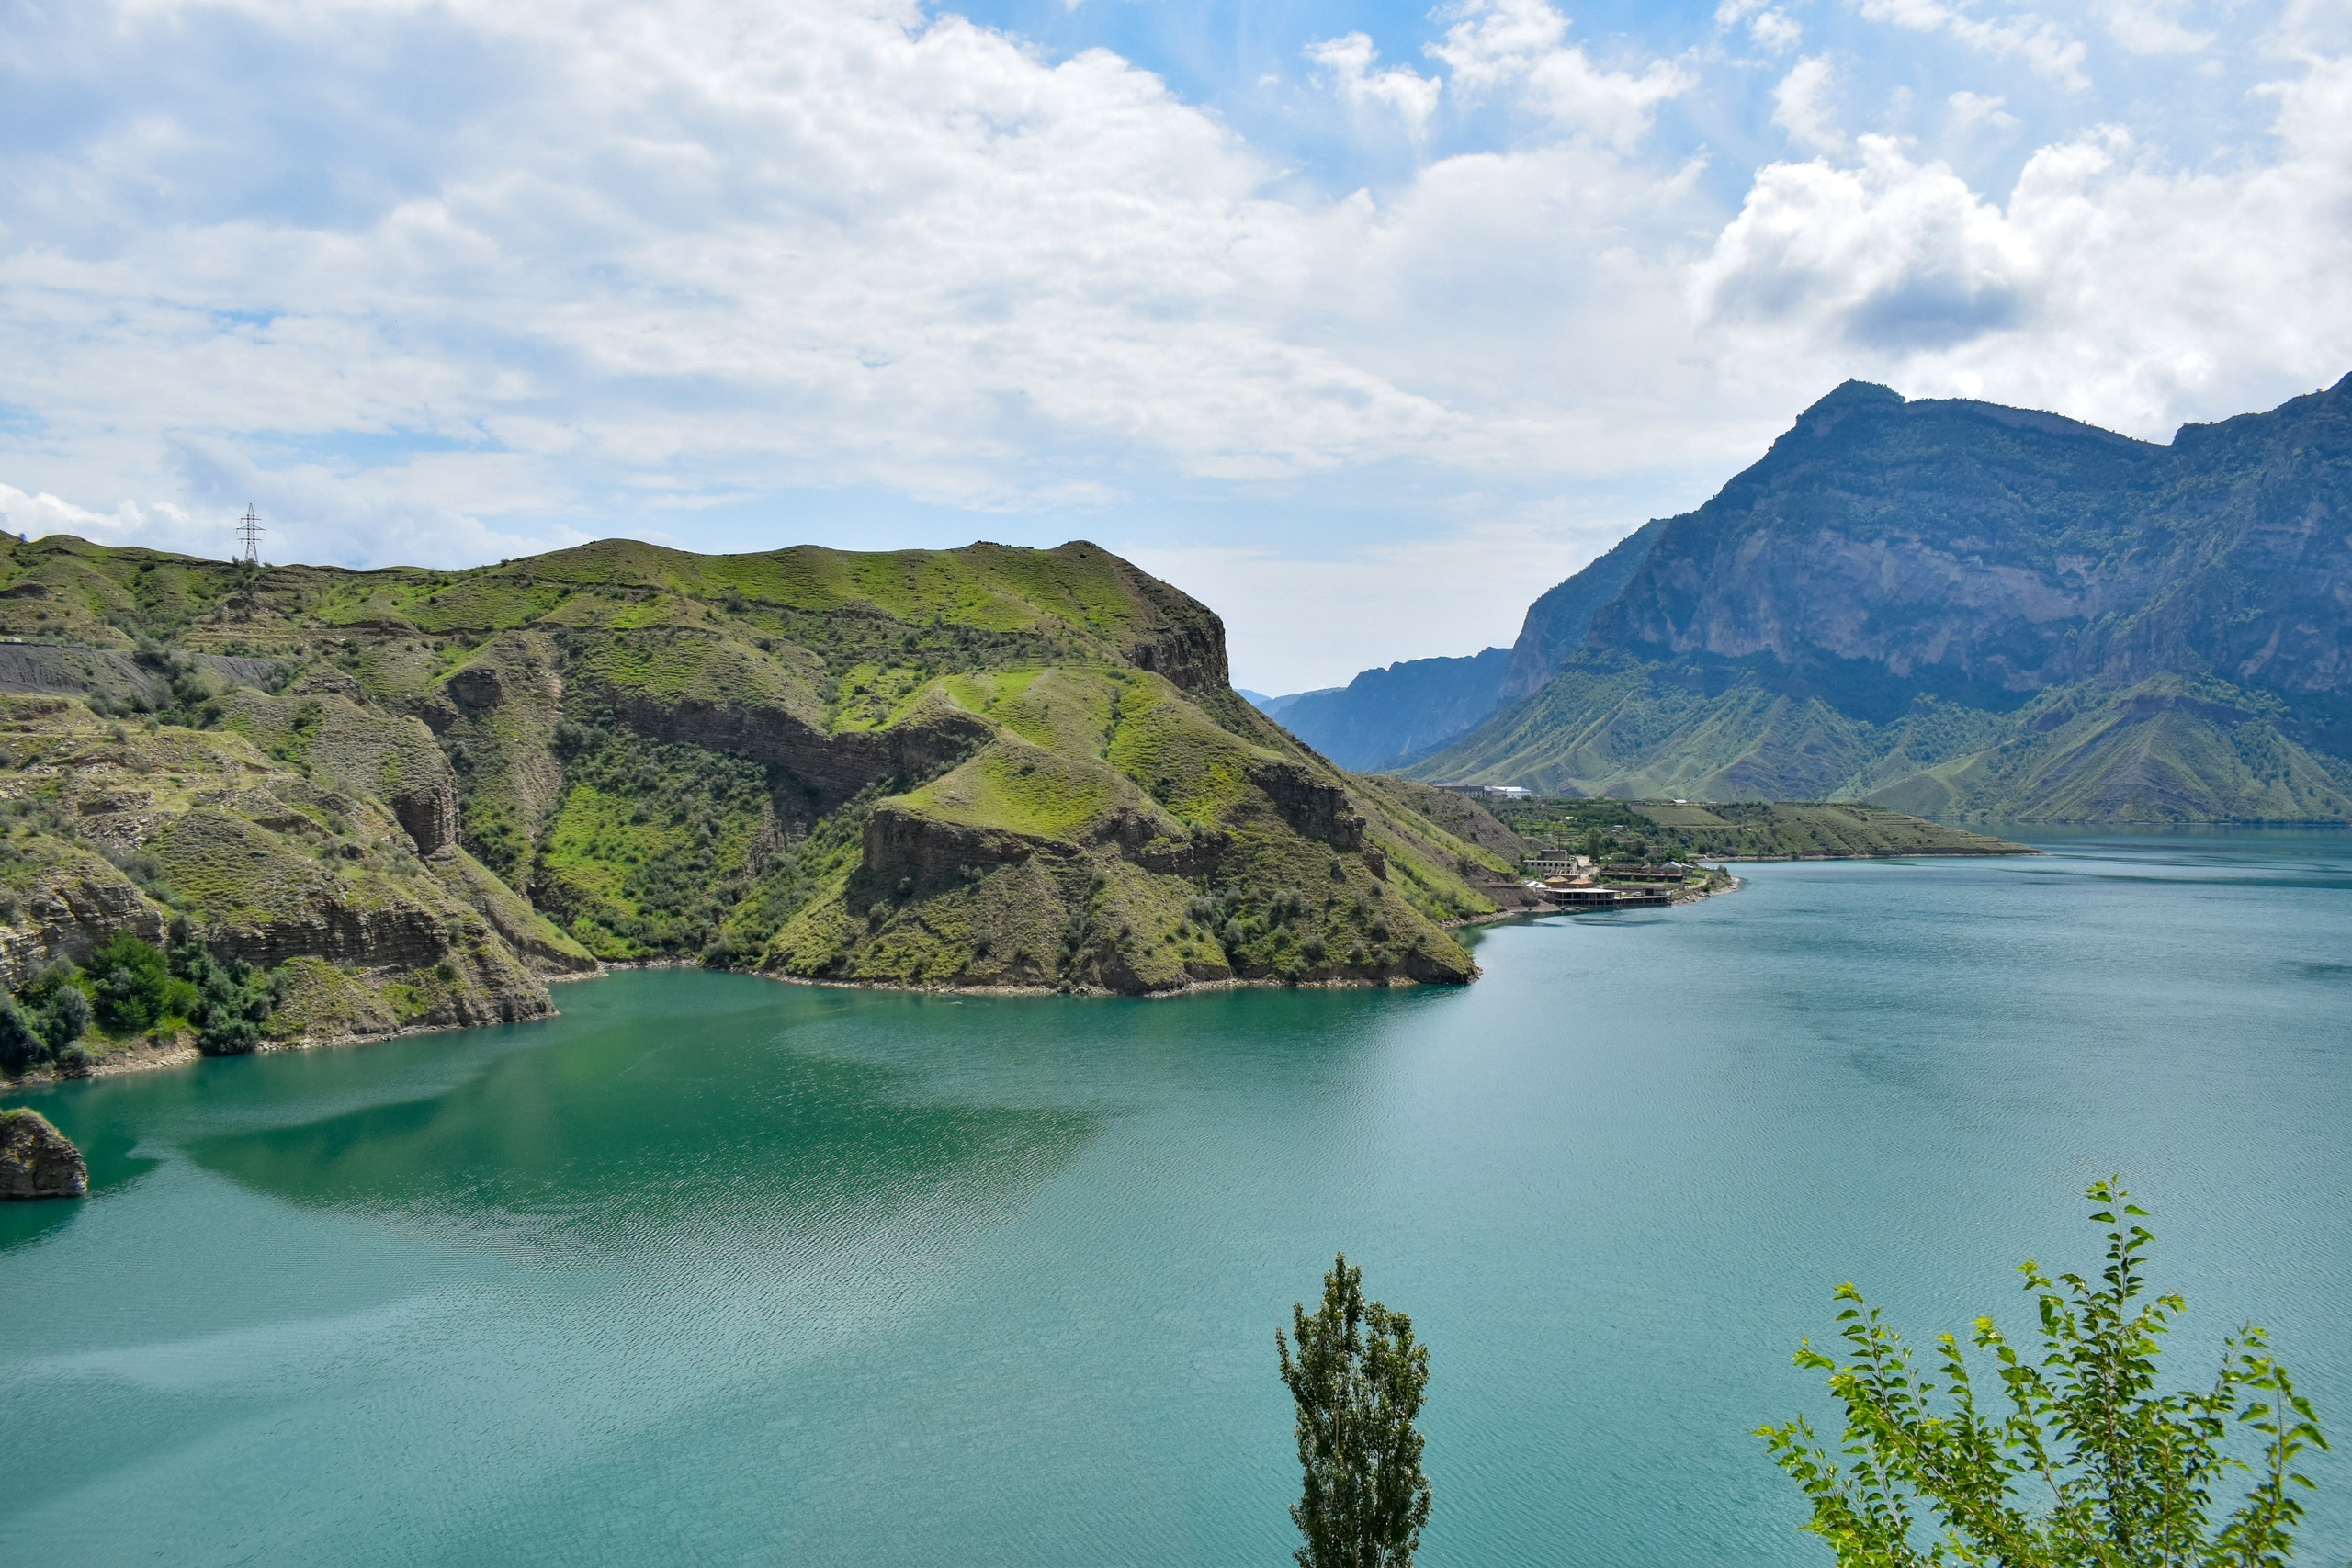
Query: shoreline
{"type": "Point", "coordinates": [136, 1059]}
{"type": "Point", "coordinates": [1891, 854]}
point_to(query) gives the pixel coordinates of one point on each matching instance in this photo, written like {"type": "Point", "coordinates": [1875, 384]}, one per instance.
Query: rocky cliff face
{"type": "Point", "coordinates": [37, 1160]}
{"type": "Point", "coordinates": [1558, 623]}
{"type": "Point", "coordinates": [1895, 583]}
{"type": "Point", "coordinates": [1972, 550]}
{"type": "Point", "coordinates": [67, 909]}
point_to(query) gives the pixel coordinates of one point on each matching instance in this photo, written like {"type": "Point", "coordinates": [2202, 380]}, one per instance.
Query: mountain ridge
{"type": "Point", "coordinates": [1386, 715]}
{"type": "Point", "coordinates": [1959, 608]}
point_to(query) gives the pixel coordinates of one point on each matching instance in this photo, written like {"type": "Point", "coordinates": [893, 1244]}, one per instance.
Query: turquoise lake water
{"type": "Point", "coordinates": [716, 1270]}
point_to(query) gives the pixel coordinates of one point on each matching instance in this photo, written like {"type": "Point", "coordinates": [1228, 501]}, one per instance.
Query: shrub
{"type": "Point", "coordinates": [64, 1018]}
{"type": "Point", "coordinates": [181, 1000]}
{"type": "Point", "coordinates": [45, 982]}
{"type": "Point", "coordinates": [2075, 1455]}
{"type": "Point", "coordinates": [233, 1005]}
{"type": "Point", "coordinates": [21, 1048]}
{"type": "Point", "coordinates": [147, 871]}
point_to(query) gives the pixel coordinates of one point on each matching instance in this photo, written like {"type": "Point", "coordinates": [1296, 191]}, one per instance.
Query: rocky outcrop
{"type": "Point", "coordinates": [361, 751]}
{"type": "Point", "coordinates": [929, 853]}
{"type": "Point", "coordinates": [46, 670]}
{"type": "Point", "coordinates": [396, 760]}
{"type": "Point", "coordinates": [496, 718]}
{"type": "Point", "coordinates": [535, 938]}
{"type": "Point", "coordinates": [1312, 806]}
{"type": "Point", "coordinates": [71, 910]}
{"type": "Point", "coordinates": [1190, 653]}
{"type": "Point", "coordinates": [251, 893]}
{"type": "Point", "coordinates": [485, 982]}
{"type": "Point", "coordinates": [37, 1160]}
{"type": "Point", "coordinates": [833, 765]}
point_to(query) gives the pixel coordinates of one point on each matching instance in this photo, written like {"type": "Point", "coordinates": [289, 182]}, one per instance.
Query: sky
{"type": "Point", "coordinates": [1365, 323]}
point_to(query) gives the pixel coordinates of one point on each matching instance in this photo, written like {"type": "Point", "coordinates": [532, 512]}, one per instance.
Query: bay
{"type": "Point", "coordinates": [716, 1271]}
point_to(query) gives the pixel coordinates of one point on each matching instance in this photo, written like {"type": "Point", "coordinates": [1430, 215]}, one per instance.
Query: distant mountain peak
{"type": "Point", "coordinates": [1847, 399]}
{"type": "Point", "coordinates": [1971, 608]}
{"type": "Point", "coordinates": [1853, 394]}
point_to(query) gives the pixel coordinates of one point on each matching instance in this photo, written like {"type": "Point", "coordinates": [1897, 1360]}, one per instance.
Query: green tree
{"type": "Point", "coordinates": [129, 983]}
{"type": "Point", "coordinates": [1358, 1379]}
{"type": "Point", "coordinates": [2077, 1459]}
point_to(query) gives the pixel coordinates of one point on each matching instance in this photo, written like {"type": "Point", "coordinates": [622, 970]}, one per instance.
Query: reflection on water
{"type": "Point", "coordinates": [712, 1270]}
{"type": "Point", "coordinates": [633, 1127]}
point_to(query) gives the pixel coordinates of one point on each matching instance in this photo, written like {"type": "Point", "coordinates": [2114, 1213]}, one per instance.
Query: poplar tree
{"type": "Point", "coordinates": [1357, 1379]}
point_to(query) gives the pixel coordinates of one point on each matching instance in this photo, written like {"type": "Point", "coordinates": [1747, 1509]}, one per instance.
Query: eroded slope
{"type": "Point", "coordinates": [978, 767]}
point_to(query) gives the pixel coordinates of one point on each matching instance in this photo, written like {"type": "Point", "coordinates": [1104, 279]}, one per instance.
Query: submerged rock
{"type": "Point", "coordinates": [37, 1160]}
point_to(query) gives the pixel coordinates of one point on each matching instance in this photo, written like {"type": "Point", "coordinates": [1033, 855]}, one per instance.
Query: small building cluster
{"type": "Point", "coordinates": [1491, 791]}
{"type": "Point", "coordinates": [1575, 881]}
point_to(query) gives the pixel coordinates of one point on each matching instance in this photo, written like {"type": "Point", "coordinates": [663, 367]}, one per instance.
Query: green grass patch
{"type": "Point", "coordinates": [1021, 788]}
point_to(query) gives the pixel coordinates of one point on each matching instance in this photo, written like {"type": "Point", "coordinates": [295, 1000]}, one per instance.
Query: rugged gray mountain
{"type": "Point", "coordinates": [1558, 623]}
{"type": "Point", "coordinates": [1970, 609]}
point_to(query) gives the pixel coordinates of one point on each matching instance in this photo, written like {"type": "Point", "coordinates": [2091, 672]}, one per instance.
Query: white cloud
{"type": "Point", "coordinates": [1495, 45]}
{"type": "Point", "coordinates": [2113, 287]}
{"type": "Point", "coordinates": [1775, 30]}
{"type": "Point", "coordinates": [2040, 42]}
{"type": "Point", "coordinates": [2150, 27]}
{"type": "Point", "coordinates": [1971, 109]}
{"type": "Point", "coordinates": [1770, 28]}
{"type": "Point", "coordinates": [1346, 64]}
{"type": "Point", "coordinates": [1886, 253]}
{"type": "Point", "coordinates": [831, 246]}
{"type": "Point", "coordinates": [1801, 103]}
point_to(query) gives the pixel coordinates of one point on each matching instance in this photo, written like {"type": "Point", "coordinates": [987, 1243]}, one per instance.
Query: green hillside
{"type": "Point", "coordinates": [1753, 830]}
{"type": "Point", "coordinates": [429, 792]}
{"type": "Point", "coordinates": [2169, 748]}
